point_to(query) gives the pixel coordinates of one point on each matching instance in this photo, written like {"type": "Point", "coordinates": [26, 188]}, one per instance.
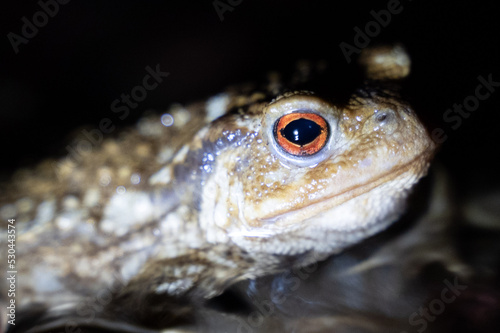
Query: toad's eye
{"type": "Point", "coordinates": [301, 134]}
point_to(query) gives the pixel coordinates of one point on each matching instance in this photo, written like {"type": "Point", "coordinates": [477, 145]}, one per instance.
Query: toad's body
{"type": "Point", "coordinates": [221, 199]}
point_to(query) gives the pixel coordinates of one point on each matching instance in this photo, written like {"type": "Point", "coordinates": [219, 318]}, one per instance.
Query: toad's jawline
{"type": "Point", "coordinates": [337, 199]}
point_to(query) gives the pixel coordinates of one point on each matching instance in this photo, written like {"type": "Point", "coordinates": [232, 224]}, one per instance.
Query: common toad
{"type": "Point", "coordinates": [246, 184]}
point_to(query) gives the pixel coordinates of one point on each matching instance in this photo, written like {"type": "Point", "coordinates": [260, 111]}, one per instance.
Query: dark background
{"type": "Point", "coordinates": [91, 52]}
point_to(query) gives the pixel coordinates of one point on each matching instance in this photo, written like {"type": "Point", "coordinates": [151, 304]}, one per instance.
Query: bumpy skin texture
{"type": "Point", "coordinates": [185, 210]}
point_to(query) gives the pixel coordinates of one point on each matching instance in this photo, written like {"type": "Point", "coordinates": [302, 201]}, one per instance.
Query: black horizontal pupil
{"type": "Point", "coordinates": [301, 131]}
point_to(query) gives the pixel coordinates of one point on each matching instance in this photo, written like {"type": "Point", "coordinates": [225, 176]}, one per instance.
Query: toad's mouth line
{"type": "Point", "coordinates": [314, 208]}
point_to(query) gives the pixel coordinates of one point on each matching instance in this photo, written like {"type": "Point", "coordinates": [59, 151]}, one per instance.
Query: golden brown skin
{"type": "Point", "coordinates": [184, 211]}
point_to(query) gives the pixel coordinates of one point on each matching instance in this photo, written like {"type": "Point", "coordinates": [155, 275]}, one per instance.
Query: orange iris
{"type": "Point", "coordinates": [301, 133]}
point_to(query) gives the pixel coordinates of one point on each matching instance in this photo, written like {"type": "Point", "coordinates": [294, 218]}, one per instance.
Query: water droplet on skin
{"type": "Point", "coordinates": [167, 120]}
{"type": "Point", "coordinates": [121, 189]}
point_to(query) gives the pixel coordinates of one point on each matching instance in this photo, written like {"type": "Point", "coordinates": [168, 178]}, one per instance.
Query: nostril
{"type": "Point", "coordinates": [381, 117]}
